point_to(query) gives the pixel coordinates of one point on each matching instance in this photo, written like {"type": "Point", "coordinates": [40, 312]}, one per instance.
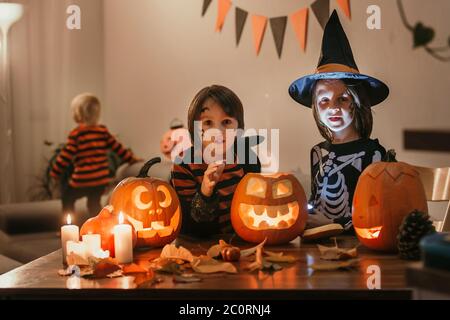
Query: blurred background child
{"type": "Point", "coordinates": [87, 150]}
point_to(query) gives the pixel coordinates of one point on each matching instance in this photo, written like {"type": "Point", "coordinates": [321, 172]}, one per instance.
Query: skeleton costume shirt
{"type": "Point", "coordinates": [335, 169]}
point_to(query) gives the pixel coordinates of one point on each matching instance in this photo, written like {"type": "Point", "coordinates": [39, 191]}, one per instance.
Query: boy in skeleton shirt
{"type": "Point", "coordinates": [341, 99]}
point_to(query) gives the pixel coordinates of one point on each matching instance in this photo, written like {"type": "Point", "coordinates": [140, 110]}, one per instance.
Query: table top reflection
{"type": "Point", "coordinates": [40, 279]}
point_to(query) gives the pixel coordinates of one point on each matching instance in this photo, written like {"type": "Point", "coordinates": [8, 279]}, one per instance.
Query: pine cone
{"type": "Point", "coordinates": [414, 227]}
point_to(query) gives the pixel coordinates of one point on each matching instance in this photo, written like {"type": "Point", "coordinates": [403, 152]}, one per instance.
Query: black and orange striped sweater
{"type": "Point", "coordinates": [87, 149]}
{"type": "Point", "coordinates": [204, 216]}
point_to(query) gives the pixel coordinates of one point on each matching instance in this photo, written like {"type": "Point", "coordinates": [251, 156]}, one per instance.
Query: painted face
{"type": "Point", "coordinates": [216, 124]}
{"type": "Point", "coordinates": [334, 104]}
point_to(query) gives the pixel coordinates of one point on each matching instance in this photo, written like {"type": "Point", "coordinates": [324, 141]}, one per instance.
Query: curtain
{"type": "Point", "coordinates": [49, 66]}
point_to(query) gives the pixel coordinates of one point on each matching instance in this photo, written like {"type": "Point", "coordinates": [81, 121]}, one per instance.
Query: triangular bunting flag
{"type": "Point", "coordinates": [241, 18]}
{"type": "Point", "coordinates": [259, 28]}
{"type": "Point", "coordinates": [345, 6]}
{"type": "Point", "coordinates": [205, 7]}
{"type": "Point", "coordinates": [321, 9]}
{"type": "Point", "coordinates": [222, 11]}
{"type": "Point", "coordinates": [299, 22]}
{"type": "Point", "coordinates": [278, 26]}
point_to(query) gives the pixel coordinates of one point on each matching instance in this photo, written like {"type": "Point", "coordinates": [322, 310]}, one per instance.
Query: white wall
{"type": "Point", "coordinates": [159, 53]}
{"type": "Point", "coordinates": [147, 58]}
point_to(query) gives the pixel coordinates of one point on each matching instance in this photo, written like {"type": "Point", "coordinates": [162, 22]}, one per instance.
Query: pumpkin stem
{"type": "Point", "coordinates": [146, 167]}
{"type": "Point", "coordinates": [390, 156]}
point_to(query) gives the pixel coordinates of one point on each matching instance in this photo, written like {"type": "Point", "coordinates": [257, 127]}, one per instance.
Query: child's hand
{"type": "Point", "coordinates": [211, 177]}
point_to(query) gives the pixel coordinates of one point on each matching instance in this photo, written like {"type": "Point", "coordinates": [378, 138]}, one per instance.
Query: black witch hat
{"type": "Point", "coordinates": [337, 62]}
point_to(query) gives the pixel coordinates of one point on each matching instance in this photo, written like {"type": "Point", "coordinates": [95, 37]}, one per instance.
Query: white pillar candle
{"type": "Point", "coordinates": [123, 242]}
{"type": "Point", "coordinates": [69, 232]}
{"type": "Point", "coordinates": [78, 248]}
{"type": "Point", "coordinates": [92, 243]}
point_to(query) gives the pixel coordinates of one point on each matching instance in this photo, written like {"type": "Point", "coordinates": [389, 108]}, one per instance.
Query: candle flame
{"type": "Point", "coordinates": [121, 219]}
{"type": "Point", "coordinates": [69, 219]}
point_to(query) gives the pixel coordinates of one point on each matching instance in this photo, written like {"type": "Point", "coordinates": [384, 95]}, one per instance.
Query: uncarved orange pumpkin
{"type": "Point", "coordinates": [151, 205]}
{"type": "Point", "coordinates": [385, 193]}
{"type": "Point", "coordinates": [103, 224]}
{"type": "Point", "coordinates": [269, 206]}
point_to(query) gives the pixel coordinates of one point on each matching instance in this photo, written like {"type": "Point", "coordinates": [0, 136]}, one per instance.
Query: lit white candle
{"type": "Point", "coordinates": [69, 232]}
{"type": "Point", "coordinates": [92, 243]}
{"type": "Point", "coordinates": [123, 241]}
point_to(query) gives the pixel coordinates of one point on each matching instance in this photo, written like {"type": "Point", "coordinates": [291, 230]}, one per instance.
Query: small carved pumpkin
{"type": "Point", "coordinates": [103, 224]}
{"type": "Point", "coordinates": [230, 253]}
{"type": "Point", "coordinates": [269, 206]}
{"type": "Point", "coordinates": [151, 205]}
{"type": "Point", "coordinates": [386, 192]}
{"type": "Point", "coordinates": [177, 135]}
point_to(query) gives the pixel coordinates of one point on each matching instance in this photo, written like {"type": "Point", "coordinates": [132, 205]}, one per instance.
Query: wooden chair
{"type": "Point", "coordinates": [436, 182]}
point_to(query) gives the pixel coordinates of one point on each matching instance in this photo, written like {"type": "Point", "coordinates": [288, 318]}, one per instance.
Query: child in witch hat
{"type": "Point", "coordinates": [341, 100]}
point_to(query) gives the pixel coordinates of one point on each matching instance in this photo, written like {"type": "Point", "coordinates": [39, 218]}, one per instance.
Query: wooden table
{"type": "Point", "coordinates": [429, 283]}
{"type": "Point", "coordinates": [40, 279]}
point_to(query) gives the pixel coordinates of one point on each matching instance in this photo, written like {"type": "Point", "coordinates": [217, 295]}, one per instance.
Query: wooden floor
{"type": "Point", "coordinates": [40, 279]}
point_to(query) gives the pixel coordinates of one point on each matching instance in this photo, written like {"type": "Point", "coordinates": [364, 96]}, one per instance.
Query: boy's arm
{"type": "Point", "coordinates": [194, 204]}
{"type": "Point", "coordinates": [64, 157]}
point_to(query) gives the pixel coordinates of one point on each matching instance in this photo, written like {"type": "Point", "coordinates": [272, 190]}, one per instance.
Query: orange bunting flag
{"type": "Point", "coordinates": [345, 6]}
{"type": "Point", "coordinates": [223, 8]}
{"type": "Point", "coordinates": [299, 22]}
{"type": "Point", "coordinates": [259, 28]}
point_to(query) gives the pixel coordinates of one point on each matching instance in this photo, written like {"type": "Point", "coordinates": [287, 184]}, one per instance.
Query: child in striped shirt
{"type": "Point", "coordinates": [206, 187]}
{"type": "Point", "coordinates": [87, 148]}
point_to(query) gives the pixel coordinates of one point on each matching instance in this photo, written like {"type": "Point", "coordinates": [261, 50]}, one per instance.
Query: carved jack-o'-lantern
{"type": "Point", "coordinates": [269, 206]}
{"type": "Point", "coordinates": [386, 192]}
{"type": "Point", "coordinates": [103, 224]}
{"type": "Point", "coordinates": [151, 205]}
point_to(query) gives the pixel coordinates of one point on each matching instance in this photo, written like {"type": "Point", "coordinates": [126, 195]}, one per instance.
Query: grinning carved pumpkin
{"type": "Point", "coordinates": [272, 206]}
{"type": "Point", "coordinates": [103, 224]}
{"type": "Point", "coordinates": [151, 205]}
{"type": "Point", "coordinates": [386, 192]}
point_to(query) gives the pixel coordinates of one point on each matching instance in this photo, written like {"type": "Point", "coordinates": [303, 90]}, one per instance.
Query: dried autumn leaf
{"type": "Point", "coordinates": [144, 280]}
{"type": "Point", "coordinates": [205, 264]}
{"type": "Point", "coordinates": [335, 265]}
{"type": "Point", "coordinates": [273, 254]}
{"type": "Point", "coordinates": [106, 268]}
{"type": "Point", "coordinates": [169, 267]}
{"type": "Point", "coordinates": [133, 268]}
{"type": "Point", "coordinates": [258, 264]}
{"type": "Point", "coordinates": [224, 243]}
{"type": "Point", "coordinates": [281, 258]}
{"type": "Point", "coordinates": [262, 263]}
{"type": "Point", "coordinates": [170, 251]}
{"type": "Point", "coordinates": [115, 274]}
{"type": "Point", "coordinates": [74, 259]}
{"type": "Point", "coordinates": [86, 271]}
{"type": "Point", "coordinates": [335, 253]}
{"type": "Point", "coordinates": [186, 278]}
{"type": "Point", "coordinates": [250, 251]}
{"type": "Point", "coordinates": [214, 251]}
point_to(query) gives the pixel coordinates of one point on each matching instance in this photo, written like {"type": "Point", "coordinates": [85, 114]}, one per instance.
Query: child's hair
{"type": "Point", "coordinates": [86, 109]}
{"type": "Point", "coordinates": [361, 110]}
{"type": "Point", "coordinates": [224, 97]}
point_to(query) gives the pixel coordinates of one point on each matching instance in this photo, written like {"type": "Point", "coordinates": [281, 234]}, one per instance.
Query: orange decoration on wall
{"type": "Point", "coordinates": [299, 22]}
{"type": "Point", "coordinates": [223, 8]}
{"type": "Point", "coordinates": [259, 28]}
{"type": "Point", "coordinates": [345, 6]}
